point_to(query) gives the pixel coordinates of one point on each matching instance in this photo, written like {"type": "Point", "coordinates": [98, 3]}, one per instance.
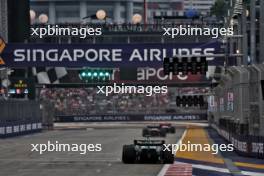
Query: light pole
{"type": "Point", "coordinates": [261, 31]}
{"type": "Point", "coordinates": [101, 15]}
{"type": "Point", "coordinates": [43, 18]}
{"type": "Point", "coordinates": [32, 14]}
{"type": "Point", "coordinates": [253, 31]}
{"type": "Point", "coordinates": [145, 11]}
{"type": "Point", "coordinates": [136, 19]}
{"type": "Point", "coordinates": [245, 14]}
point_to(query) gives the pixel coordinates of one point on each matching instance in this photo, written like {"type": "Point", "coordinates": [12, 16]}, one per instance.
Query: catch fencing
{"type": "Point", "coordinates": [19, 117]}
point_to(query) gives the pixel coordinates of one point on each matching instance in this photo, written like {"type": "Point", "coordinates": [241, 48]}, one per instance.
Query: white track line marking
{"type": "Point", "coordinates": [166, 166]}
{"type": "Point", "coordinates": [252, 173]}
{"type": "Point", "coordinates": [211, 168]}
{"type": "Point", "coordinates": [164, 170]}
{"type": "Point", "coordinates": [181, 139]}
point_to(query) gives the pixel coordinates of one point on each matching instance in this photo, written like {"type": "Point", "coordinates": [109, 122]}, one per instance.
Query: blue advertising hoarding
{"type": "Point", "coordinates": [103, 55]}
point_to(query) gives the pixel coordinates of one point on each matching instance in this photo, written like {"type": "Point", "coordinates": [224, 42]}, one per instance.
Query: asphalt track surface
{"type": "Point", "coordinates": [16, 158]}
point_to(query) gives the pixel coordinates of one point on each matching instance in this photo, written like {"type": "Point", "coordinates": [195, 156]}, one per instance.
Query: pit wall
{"type": "Point", "coordinates": [236, 109]}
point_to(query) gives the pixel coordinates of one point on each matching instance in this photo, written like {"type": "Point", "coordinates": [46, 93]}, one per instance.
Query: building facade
{"type": "Point", "coordinates": [117, 11]}
{"type": "Point", "coordinates": [247, 19]}
{"type": "Point", "coordinates": [202, 6]}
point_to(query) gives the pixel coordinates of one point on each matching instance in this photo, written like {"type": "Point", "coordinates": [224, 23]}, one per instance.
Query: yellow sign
{"type": "Point", "coordinates": [2, 47]}
{"type": "Point", "coordinates": [2, 61]}
{"type": "Point", "coordinates": [20, 84]}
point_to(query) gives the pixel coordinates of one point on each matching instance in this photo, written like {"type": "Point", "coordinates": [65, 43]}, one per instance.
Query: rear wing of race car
{"type": "Point", "coordinates": [165, 124]}
{"type": "Point", "coordinates": [149, 142]}
{"type": "Point", "coordinates": [153, 126]}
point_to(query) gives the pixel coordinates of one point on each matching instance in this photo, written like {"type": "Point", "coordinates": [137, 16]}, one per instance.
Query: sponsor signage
{"type": "Point", "coordinates": [230, 96]}
{"type": "Point", "coordinates": [212, 103]}
{"type": "Point", "coordinates": [19, 86]}
{"type": "Point", "coordinates": [2, 131]}
{"type": "Point", "coordinates": [130, 117]}
{"type": "Point", "coordinates": [230, 101]}
{"type": "Point", "coordinates": [152, 75]}
{"type": "Point", "coordinates": [222, 104]}
{"type": "Point", "coordinates": [16, 129]}
{"type": "Point", "coordinates": [144, 76]}
{"type": "Point", "coordinates": [103, 55]}
{"type": "Point", "coordinates": [247, 145]}
{"type": "Point", "coordinates": [258, 148]}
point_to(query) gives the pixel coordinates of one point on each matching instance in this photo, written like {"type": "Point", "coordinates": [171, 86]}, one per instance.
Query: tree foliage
{"type": "Point", "coordinates": [219, 9]}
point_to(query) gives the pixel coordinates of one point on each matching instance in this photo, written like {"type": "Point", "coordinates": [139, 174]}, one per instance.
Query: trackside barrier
{"type": "Point", "coordinates": [131, 117]}
{"type": "Point", "coordinates": [256, 103]}
{"type": "Point", "coordinates": [239, 99]}
{"type": "Point", "coordinates": [238, 108]}
{"type": "Point", "coordinates": [246, 145]}
{"type": "Point", "coordinates": [19, 118]}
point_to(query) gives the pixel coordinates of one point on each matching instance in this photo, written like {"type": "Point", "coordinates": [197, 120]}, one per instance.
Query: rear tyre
{"type": "Point", "coordinates": [145, 132]}
{"type": "Point", "coordinates": [163, 132]}
{"type": "Point", "coordinates": [129, 154]}
{"type": "Point", "coordinates": [172, 129]}
{"type": "Point", "coordinates": [168, 157]}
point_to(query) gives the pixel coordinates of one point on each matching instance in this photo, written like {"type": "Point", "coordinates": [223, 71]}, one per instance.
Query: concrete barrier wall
{"type": "Point", "coordinates": [246, 145]}
{"type": "Point", "coordinates": [239, 99]}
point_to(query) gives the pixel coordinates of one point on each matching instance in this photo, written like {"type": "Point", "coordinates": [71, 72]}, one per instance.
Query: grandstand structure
{"type": "Point", "coordinates": [85, 101]}
{"type": "Point", "coordinates": [117, 28]}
